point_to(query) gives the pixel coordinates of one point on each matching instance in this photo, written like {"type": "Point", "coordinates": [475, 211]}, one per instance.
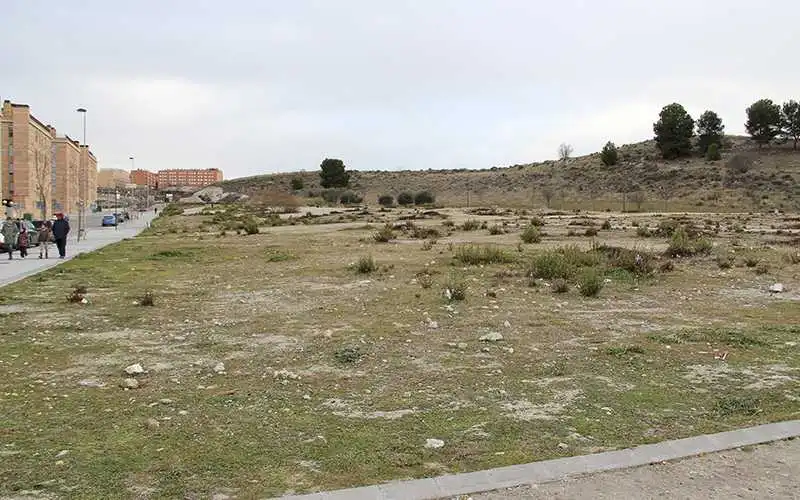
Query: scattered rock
{"type": "Point", "coordinates": [183, 412]}
{"type": "Point", "coordinates": [563, 446]}
{"type": "Point", "coordinates": [130, 383]}
{"type": "Point", "coordinates": [776, 288]}
{"type": "Point", "coordinates": [507, 324]}
{"type": "Point", "coordinates": [433, 325]}
{"type": "Point", "coordinates": [62, 453]}
{"type": "Point", "coordinates": [491, 337]}
{"type": "Point", "coordinates": [431, 443]}
{"type": "Point", "coordinates": [219, 367]}
{"type": "Point", "coordinates": [135, 369]}
{"type": "Point", "coordinates": [152, 424]}
{"type": "Point", "coordinates": [89, 382]}
{"type": "Point", "coordinates": [165, 401]}
{"type": "Point", "coordinates": [462, 345]}
{"type": "Point", "coordinates": [285, 374]}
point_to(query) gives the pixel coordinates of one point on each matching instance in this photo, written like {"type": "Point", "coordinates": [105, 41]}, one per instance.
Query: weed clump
{"type": "Point", "coordinates": [496, 230]}
{"type": "Point", "coordinates": [384, 235]}
{"type": "Point", "coordinates": [724, 261]}
{"type": "Point", "coordinates": [531, 234]}
{"type": "Point", "coordinates": [348, 355]}
{"type": "Point", "coordinates": [455, 289]}
{"type": "Point", "coordinates": [560, 285]}
{"type": "Point", "coordinates": [681, 244]}
{"type": "Point", "coordinates": [471, 225]}
{"type": "Point", "coordinates": [590, 283]}
{"type": "Point", "coordinates": [147, 300]}
{"type": "Point", "coordinates": [366, 265]}
{"type": "Point", "coordinates": [474, 255]}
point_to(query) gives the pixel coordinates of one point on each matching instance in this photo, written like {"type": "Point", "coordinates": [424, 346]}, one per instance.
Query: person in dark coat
{"type": "Point", "coordinates": [60, 232]}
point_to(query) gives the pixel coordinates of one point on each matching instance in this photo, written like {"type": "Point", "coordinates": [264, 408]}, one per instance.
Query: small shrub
{"type": "Point", "coordinates": [147, 300]}
{"type": "Point", "coordinates": [348, 355]}
{"type": "Point", "coordinates": [712, 153]}
{"type": "Point", "coordinates": [350, 198]}
{"type": "Point", "coordinates": [622, 351]}
{"type": "Point", "coordinates": [386, 200]}
{"type": "Point", "coordinates": [537, 221]}
{"type": "Point", "coordinates": [366, 265]}
{"type": "Point", "coordinates": [384, 235]}
{"type": "Point", "coordinates": [724, 261]}
{"type": "Point", "coordinates": [448, 223]}
{"type": "Point", "coordinates": [606, 225]}
{"type": "Point", "coordinates": [681, 244]}
{"type": "Point", "coordinates": [425, 281]}
{"type": "Point", "coordinates": [550, 266]}
{"type": "Point", "coordinates": [559, 285]}
{"type": "Point", "coordinates": [297, 183]}
{"type": "Point", "coordinates": [427, 245]}
{"type": "Point", "coordinates": [471, 225]}
{"type": "Point", "coordinates": [591, 282]}
{"type": "Point", "coordinates": [590, 232]}
{"type": "Point", "coordinates": [643, 232]}
{"type": "Point", "coordinates": [455, 289]}
{"type": "Point", "coordinates": [792, 258]}
{"type": "Point", "coordinates": [405, 198]}
{"type": "Point", "coordinates": [531, 234]}
{"type": "Point", "coordinates": [666, 267]}
{"type": "Point", "coordinates": [496, 230]}
{"type": "Point", "coordinates": [424, 198]}
{"type": "Point", "coordinates": [250, 227]}
{"type": "Point", "coordinates": [762, 268]}
{"type": "Point", "coordinates": [474, 255]}
{"type": "Point", "coordinates": [751, 261]}
{"type": "Point", "coordinates": [737, 405]}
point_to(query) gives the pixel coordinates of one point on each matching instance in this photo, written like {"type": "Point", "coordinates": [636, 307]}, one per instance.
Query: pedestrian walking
{"type": "Point", "coordinates": [45, 233]}
{"type": "Point", "coordinates": [23, 239]}
{"type": "Point", "coordinates": [60, 232]}
{"type": "Point", "coordinates": [10, 232]}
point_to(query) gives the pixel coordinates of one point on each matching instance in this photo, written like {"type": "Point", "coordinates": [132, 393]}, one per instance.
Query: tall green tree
{"type": "Point", "coordinates": [790, 116]}
{"type": "Point", "coordinates": [674, 130]}
{"type": "Point", "coordinates": [763, 121]}
{"type": "Point", "coordinates": [710, 130]}
{"type": "Point", "coordinates": [333, 174]}
{"type": "Point", "coordinates": [609, 155]}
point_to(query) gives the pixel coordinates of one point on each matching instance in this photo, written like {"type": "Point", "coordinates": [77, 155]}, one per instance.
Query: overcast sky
{"type": "Point", "coordinates": [257, 86]}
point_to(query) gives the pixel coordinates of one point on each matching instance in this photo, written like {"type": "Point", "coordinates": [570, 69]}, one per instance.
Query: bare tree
{"type": "Point", "coordinates": [564, 151]}
{"type": "Point", "coordinates": [42, 182]}
{"type": "Point", "coordinates": [547, 194]}
{"type": "Point", "coordinates": [666, 194]}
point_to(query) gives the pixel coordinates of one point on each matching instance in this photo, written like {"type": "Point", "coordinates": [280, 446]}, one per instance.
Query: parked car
{"type": "Point", "coordinates": [109, 220]}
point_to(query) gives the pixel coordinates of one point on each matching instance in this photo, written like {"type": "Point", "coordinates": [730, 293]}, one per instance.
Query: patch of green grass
{"type": "Point", "coordinates": [741, 404]}
{"type": "Point", "coordinates": [475, 255]}
{"type": "Point", "coordinates": [623, 351]}
{"type": "Point", "coordinates": [531, 234]}
{"type": "Point", "coordinates": [590, 283]}
{"type": "Point", "coordinates": [274, 255]}
{"type": "Point", "coordinates": [366, 265]}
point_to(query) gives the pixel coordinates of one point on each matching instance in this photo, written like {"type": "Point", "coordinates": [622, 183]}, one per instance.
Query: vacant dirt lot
{"type": "Point", "coordinates": [329, 351]}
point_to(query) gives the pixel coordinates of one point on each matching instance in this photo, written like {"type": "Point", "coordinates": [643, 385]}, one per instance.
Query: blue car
{"type": "Point", "coordinates": [109, 220]}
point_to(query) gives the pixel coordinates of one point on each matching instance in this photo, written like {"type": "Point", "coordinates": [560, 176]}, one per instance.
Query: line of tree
{"type": "Point", "coordinates": [767, 122]}
{"type": "Point", "coordinates": [407, 198]}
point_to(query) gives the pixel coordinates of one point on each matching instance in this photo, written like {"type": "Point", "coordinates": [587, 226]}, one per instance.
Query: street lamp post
{"type": "Point", "coordinates": [83, 182]}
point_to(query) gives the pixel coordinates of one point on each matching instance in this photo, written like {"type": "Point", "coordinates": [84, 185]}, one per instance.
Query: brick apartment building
{"type": "Point", "coordinates": [144, 178]}
{"type": "Point", "coordinates": [64, 175]}
{"type": "Point", "coordinates": [40, 171]}
{"type": "Point", "coordinates": [177, 178]}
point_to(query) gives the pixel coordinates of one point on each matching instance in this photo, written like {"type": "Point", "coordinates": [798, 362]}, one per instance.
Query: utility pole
{"type": "Point", "coordinates": [83, 178]}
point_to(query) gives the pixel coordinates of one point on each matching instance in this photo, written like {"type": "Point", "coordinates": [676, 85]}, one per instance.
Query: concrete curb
{"type": "Point", "coordinates": [553, 470]}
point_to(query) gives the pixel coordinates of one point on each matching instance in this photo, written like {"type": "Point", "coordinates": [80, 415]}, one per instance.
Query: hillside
{"type": "Point", "coordinates": [771, 181]}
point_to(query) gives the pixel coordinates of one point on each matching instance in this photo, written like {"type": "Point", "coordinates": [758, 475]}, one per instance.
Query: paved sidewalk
{"type": "Point", "coordinates": [559, 469]}
{"type": "Point", "coordinates": [766, 471]}
{"type": "Point", "coordinates": [96, 237]}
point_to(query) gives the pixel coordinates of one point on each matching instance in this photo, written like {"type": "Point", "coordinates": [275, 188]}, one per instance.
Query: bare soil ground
{"type": "Point", "coordinates": [768, 471]}
{"type": "Point", "coordinates": [311, 356]}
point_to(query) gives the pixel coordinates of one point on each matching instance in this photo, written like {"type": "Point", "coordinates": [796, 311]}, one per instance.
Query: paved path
{"type": "Point", "coordinates": [767, 471]}
{"type": "Point", "coordinates": [96, 237]}
{"type": "Point", "coordinates": [548, 471]}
